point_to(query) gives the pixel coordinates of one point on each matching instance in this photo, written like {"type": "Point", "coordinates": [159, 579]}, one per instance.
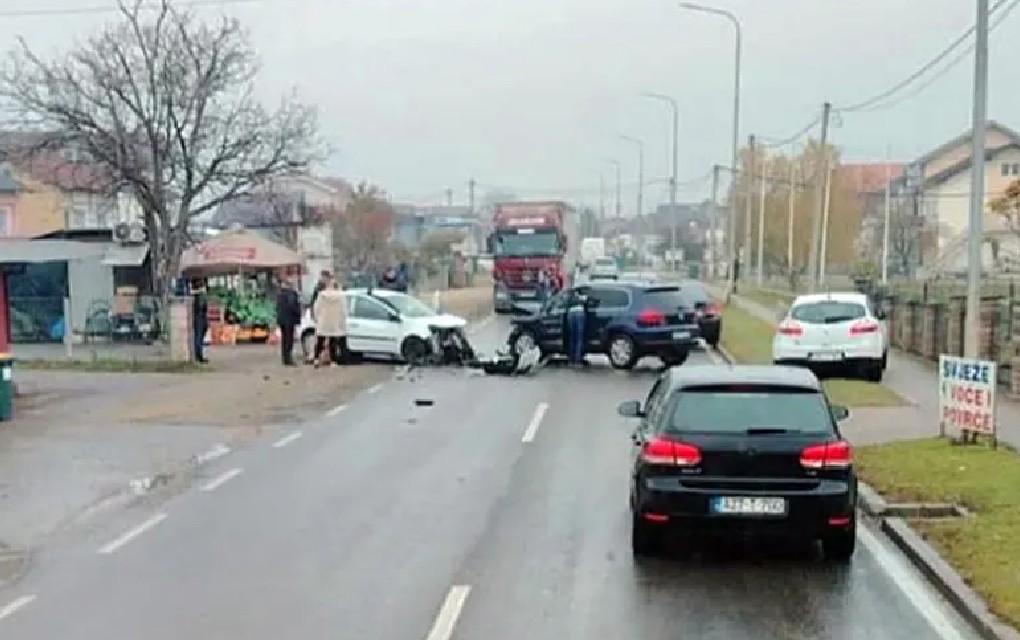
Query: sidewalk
{"type": "Point", "coordinates": [912, 379]}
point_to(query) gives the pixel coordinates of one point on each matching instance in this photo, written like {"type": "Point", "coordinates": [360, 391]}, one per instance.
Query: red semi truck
{"type": "Point", "coordinates": [528, 237]}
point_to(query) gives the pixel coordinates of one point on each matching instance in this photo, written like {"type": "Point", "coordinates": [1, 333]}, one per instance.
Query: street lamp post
{"type": "Point", "coordinates": [616, 166]}
{"type": "Point", "coordinates": [736, 117]}
{"type": "Point", "coordinates": [673, 171]}
{"type": "Point", "coordinates": [641, 181]}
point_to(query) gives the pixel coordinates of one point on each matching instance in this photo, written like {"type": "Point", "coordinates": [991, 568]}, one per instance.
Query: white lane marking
{"type": "Point", "coordinates": [449, 613]}
{"type": "Point", "coordinates": [481, 324]}
{"type": "Point", "coordinates": [335, 411]}
{"type": "Point", "coordinates": [132, 534]}
{"type": "Point", "coordinates": [222, 479]}
{"type": "Point", "coordinates": [287, 439]}
{"type": "Point", "coordinates": [713, 356]}
{"type": "Point", "coordinates": [536, 422]}
{"type": "Point", "coordinates": [911, 586]}
{"type": "Point", "coordinates": [12, 607]}
{"type": "Point", "coordinates": [374, 388]}
{"type": "Point", "coordinates": [216, 451]}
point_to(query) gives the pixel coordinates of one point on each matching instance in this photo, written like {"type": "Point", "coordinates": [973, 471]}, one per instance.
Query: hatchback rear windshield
{"type": "Point", "coordinates": [828, 312]}
{"type": "Point", "coordinates": [664, 298]}
{"type": "Point", "coordinates": [737, 409]}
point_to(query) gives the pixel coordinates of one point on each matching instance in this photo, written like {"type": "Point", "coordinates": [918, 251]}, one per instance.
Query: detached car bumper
{"type": "Point", "coordinates": [808, 513]}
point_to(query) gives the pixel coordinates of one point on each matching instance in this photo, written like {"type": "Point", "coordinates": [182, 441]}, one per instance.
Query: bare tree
{"type": "Point", "coordinates": [163, 105]}
{"type": "Point", "coordinates": [362, 233]}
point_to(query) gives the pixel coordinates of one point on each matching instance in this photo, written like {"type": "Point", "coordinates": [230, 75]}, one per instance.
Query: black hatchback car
{"type": "Point", "coordinates": [626, 321]}
{"type": "Point", "coordinates": [742, 449]}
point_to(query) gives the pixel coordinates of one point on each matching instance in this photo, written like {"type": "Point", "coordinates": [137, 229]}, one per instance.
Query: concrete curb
{"type": "Point", "coordinates": [947, 581]}
{"type": "Point", "coordinates": [967, 603]}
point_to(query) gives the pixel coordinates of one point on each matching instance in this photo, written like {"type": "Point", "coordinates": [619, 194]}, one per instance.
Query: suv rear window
{"type": "Point", "coordinates": [664, 298]}
{"type": "Point", "coordinates": [828, 312]}
{"type": "Point", "coordinates": [734, 410]}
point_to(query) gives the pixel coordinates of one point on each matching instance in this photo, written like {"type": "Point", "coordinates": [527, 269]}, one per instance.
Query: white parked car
{"type": "Point", "coordinates": [834, 330]}
{"type": "Point", "coordinates": [385, 323]}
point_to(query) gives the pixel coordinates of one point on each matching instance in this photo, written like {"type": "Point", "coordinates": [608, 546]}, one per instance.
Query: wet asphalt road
{"type": "Point", "coordinates": [497, 513]}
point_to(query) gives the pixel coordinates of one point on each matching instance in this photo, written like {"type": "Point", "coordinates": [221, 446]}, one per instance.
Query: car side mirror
{"type": "Point", "coordinates": [839, 412]}
{"type": "Point", "coordinates": [881, 315]}
{"type": "Point", "coordinates": [394, 317]}
{"type": "Point", "coordinates": [630, 409]}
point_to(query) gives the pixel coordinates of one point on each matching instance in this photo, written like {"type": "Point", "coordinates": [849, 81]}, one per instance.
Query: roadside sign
{"type": "Point", "coordinates": [967, 396]}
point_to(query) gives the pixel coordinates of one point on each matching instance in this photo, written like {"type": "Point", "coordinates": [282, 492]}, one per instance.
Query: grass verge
{"type": "Point", "coordinates": [749, 340]}
{"type": "Point", "coordinates": [769, 298]}
{"type": "Point", "coordinates": [984, 548]}
{"type": "Point", "coordinates": [111, 365]}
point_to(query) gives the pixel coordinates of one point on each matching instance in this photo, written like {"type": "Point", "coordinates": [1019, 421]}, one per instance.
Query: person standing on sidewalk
{"type": "Point", "coordinates": [288, 317]}
{"type": "Point", "coordinates": [199, 318]}
{"type": "Point", "coordinates": [330, 324]}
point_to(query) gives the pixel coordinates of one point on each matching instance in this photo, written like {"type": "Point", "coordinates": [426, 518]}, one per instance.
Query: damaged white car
{"type": "Point", "coordinates": [389, 324]}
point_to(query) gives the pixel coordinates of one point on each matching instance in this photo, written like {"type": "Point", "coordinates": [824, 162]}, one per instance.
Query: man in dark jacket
{"type": "Point", "coordinates": [324, 278]}
{"type": "Point", "coordinates": [288, 317]}
{"type": "Point", "coordinates": [199, 318]}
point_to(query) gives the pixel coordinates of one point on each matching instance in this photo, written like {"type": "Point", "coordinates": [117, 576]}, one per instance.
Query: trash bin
{"type": "Point", "coordinates": [6, 387]}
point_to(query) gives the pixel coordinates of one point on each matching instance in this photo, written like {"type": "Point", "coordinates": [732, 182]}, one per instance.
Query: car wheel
{"type": "Point", "coordinates": [414, 350]}
{"type": "Point", "coordinates": [621, 352]}
{"type": "Point", "coordinates": [645, 537]}
{"type": "Point", "coordinates": [713, 341]}
{"type": "Point", "coordinates": [885, 360]}
{"type": "Point", "coordinates": [308, 344]}
{"type": "Point", "coordinates": [524, 340]}
{"type": "Point", "coordinates": [839, 546]}
{"type": "Point", "coordinates": [675, 358]}
{"type": "Point", "coordinates": [872, 370]}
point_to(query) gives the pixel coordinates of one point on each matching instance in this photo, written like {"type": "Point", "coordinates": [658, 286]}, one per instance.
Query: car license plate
{"type": "Point", "coordinates": [748, 506]}
{"type": "Point", "coordinates": [681, 335]}
{"type": "Point", "coordinates": [826, 356]}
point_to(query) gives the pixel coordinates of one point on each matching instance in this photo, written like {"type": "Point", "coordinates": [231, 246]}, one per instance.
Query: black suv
{"type": "Point", "coordinates": [626, 321]}
{"type": "Point", "coordinates": [742, 449]}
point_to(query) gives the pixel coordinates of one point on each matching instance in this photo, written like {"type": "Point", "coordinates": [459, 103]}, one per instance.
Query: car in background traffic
{"type": "Point", "coordinates": [706, 309]}
{"type": "Point", "coordinates": [384, 323]}
{"type": "Point", "coordinates": [834, 331]}
{"type": "Point", "coordinates": [741, 450]}
{"type": "Point", "coordinates": [604, 269]}
{"type": "Point", "coordinates": [627, 322]}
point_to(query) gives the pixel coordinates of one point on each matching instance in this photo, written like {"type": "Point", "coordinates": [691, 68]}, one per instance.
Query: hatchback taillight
{"type": "Point", "coordinates": [790, 329]}
{"type": "Point", "coordinates": [832, 455]}
{"type": "Point", "coordinates": [671, 453]}
{"type": "Point", "coordinates": [864, 327]}
{"type": "Point", "coordinates": [651, 318]}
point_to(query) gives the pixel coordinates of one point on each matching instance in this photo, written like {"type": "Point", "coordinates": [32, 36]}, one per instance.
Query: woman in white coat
{"type": "Point", "coordinates": [330, 313]}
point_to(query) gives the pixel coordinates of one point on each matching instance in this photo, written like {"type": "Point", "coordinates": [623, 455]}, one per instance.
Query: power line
{"type": "Point", "coordinates": [98, 9]}
{"type": "Point", "coordinates": [785, 141]}
{"type": "Point", "coordinates": [946, 69]}
{"type": "Point", "coordinates": [860, 106]}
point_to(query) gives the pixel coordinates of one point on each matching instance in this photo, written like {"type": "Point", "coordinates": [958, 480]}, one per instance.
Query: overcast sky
{"type": "Point", "coordinates": [531, 95]}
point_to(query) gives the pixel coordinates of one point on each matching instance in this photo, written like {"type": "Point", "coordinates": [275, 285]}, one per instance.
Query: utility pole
{"type": "Point", "coordinates": [602, 197]}
{"type": "Point", "coordinates": [887, 218]}
{"type": "Point", "coordinates": [471, 196]}
{"type": "Point", "coordinates": [761, 225]}
{"type": "Point", "coordinates": [449, 197]}
{"type": "Point", "coordinates": [816, 219]}
{"type": "Point", "coordinates": [619, 189]}
{"type": "Point", "coordinates": [745, 251]}
{"type": "Point", "coordinates": [789, 219]}
{"type": "Point", "coordinates": [823, 257]}
{"type": "Point", "coordinates": [977, 184]}
{"type": "Point", "coordinates": [714, 238]}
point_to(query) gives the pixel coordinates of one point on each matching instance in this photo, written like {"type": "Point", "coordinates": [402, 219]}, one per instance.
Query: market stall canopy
{"type": "Point", "coordinates": [237, 250]}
